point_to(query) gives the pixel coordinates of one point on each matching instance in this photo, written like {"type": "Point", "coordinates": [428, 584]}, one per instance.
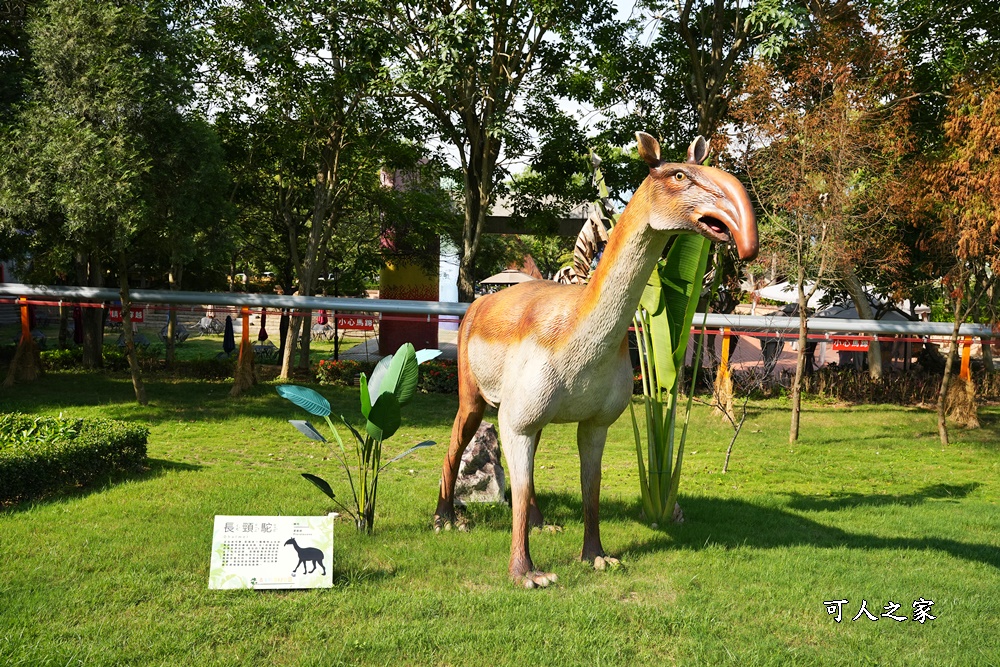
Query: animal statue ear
{"type": "Point", "coordinates": [649, 149]}
{"type": "Point", "coordinates": [698, 150]}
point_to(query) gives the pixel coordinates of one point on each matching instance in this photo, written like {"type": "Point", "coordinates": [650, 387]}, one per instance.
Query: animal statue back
{"type": "Point", "coordinates": [544, 352]}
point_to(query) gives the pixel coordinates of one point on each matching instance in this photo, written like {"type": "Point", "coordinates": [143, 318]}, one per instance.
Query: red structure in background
{"type": "Point", "coordinates": [406, 280]}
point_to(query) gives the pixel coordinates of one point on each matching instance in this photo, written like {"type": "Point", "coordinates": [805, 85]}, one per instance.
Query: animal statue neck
{"type": "Point", "coordinates": [612, 295]}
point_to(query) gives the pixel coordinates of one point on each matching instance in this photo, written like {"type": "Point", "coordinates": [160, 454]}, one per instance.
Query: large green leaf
{"type": "Point", "coordinates": [304, 397]}
{"type": "Point", "coordinates": [307, 429]}
{"type": "Point", "coordinates": [425, 443]}
{"type": "Point", "coordinates": [378, 375]}
{"type": "Point", "coordinates": [427, 355]}
{"type": "Point", "coordinates": [652, 294]}
{"type": "Point", "coordinates": [401, 376]}
{"type": "Point", "coordinates": [321, 484]}
{"type": "Point", "coordinates": [681, 276]}
{"type": "Point", "coordinates": [366, 398]}
{"type": "Point", "coordinates": [384, 418]}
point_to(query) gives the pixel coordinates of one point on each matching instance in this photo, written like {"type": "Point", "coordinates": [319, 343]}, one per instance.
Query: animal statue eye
{"type": "Point", "coordinates": [680, 176]}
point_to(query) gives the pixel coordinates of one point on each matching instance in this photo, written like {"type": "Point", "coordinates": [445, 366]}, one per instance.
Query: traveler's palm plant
{"type": "Point", "coordinates": [392, 385]}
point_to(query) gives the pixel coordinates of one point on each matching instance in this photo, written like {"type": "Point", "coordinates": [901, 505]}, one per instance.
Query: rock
{"type": "Point", "coordinates": [480, 475]}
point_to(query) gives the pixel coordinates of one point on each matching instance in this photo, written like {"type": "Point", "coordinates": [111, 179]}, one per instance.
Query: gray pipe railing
{"type": "Point", "coordinates": [394, 306]}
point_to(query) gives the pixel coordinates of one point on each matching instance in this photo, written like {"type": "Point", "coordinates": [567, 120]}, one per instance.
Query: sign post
{"type": "Point", "coordinates": [266, 552]}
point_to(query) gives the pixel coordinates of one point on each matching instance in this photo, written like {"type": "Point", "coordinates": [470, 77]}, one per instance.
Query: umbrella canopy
{"type": "Point", "coordinates": [506, 277]}
{"type": "Point", "coordinates": [228, 338]}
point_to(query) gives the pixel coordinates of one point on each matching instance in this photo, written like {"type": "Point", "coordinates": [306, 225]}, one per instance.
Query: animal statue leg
{"type": "Point", "coordinates": [535, 518]}
{"type": "Point", "coordinates": [590, 442]}
{"type": "Point", "coordinates": [520, 452]}
{"type": "Point", "coordinates": [470, 415]}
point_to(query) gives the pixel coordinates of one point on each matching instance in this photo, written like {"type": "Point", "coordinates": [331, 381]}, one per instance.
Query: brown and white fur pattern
{"type": "Point", "coordinates": [545, 352]}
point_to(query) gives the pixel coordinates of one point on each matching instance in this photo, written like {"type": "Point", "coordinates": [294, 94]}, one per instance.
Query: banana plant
{"type": "Point", "coordinates": [391, 386]}
{"type": "Point", "coordinates": [662, 326]}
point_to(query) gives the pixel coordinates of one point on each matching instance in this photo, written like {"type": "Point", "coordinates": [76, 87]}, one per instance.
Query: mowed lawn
{"type": "Point", "coordinates": [867, 506]}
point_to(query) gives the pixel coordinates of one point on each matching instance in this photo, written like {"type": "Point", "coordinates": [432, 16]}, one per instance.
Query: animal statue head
{"type": "Point", "coordinates": [691, 197]}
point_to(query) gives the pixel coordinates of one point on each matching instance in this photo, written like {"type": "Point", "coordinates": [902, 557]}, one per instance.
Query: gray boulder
{"type": "Point", "coordinates": [480, 475]}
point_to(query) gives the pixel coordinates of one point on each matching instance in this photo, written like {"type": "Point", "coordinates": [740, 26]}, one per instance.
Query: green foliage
{"type": "Point", "coordinates": [340, 373]}
{"type": "Point", "coordinates": [439, 377]}
{"type": "Point", "coordinates": [393, 384]}
{"type": "Point", "coordinates": [39, 455]}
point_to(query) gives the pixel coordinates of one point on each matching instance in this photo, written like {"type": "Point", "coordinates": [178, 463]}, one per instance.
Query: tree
{"type": "Point", "coordinates": [822, 140]}
{"type": "Point", "coordinates": [485, 74]}
{"type": "Point", "coordinates": [955, 195]}
{"type": "Point", "coordinates": [301, 83]}
{"type": "Point", "coordinates": [77, 175]}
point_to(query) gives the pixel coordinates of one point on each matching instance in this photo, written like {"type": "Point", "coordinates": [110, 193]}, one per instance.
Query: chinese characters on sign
{"type": "Point", "coordinates": [272, 552]}
{"type": "Point", "coordinates": [357, 322]}
{"type": "Point", "coordinates": [115, 314]}
{"type": "Point", "coordinates": [921, 610]}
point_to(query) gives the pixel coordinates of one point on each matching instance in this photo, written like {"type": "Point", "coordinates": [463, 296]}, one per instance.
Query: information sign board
{"type": "Point", "coordinates": [850, 345]}
{"type": "Point", "coordinates": [115, 314]}
{"type": "Point", "coordinates": [272, 552]}
{"type": "Point", "coordinates": [356, 322]}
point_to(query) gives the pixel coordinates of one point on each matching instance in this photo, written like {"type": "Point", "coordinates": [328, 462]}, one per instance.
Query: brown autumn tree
{"type": "Point", "coordinates": [954, 193]}
{"type": "Point", "coordinates": [821, 137]}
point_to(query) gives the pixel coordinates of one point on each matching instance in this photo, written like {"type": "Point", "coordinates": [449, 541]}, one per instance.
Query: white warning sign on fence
{"type": "Point", "coordinates": [272, 552]}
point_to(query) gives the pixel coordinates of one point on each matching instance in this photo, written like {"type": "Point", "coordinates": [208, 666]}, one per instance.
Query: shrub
{"type": "Point", "coordinates": [439, 376]}
{"type": "Point", "coordinates": [340, 373]}
{"type": "Point", "coordinates": [115, 358]}
{"type": "Point", "coordinates": [42, 454]}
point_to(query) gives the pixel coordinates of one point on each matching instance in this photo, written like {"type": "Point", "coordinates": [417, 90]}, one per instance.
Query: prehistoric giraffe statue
{"type": "Point", "coordinates": [547, 352]}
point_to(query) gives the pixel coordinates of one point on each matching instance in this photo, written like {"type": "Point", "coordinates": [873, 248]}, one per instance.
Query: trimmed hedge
{"type": "Point", "coordinates": [42, 454]}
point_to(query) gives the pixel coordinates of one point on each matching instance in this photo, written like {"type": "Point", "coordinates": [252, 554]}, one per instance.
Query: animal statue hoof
{"type": "Point", "coordinates": [602, 563]}
{"type": "Point", "coordinates": [538, 579]}
{"type": "Point", "coordinates": [441, 523]}
{"type": "Point", "coordinates": [548, 528]}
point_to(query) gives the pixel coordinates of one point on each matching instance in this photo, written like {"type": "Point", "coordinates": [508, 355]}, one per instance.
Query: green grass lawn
{"type": "Point", "coordinates": [868, 506]}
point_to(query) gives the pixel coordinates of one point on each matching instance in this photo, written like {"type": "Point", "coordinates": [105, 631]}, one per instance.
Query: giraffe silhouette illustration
{"type": "Point", "coordinates": [307, 554]}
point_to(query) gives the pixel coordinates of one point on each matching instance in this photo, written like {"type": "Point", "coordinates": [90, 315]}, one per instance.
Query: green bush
{"type": "Point", "coordinates": [340, 373]}
{"type": "Point", "coordinates": [439, 376]}
{"type": "Point", "coordinates": [42, 454]}
{"type": "Point", "coordinates": [115, 358]}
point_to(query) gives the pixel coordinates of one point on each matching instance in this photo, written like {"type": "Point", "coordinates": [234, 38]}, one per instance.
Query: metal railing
{"type": "Point", "coordinates": [55, 294]}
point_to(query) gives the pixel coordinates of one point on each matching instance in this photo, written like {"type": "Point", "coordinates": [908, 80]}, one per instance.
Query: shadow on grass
{"type": "Point", "coordinates": [714, 522]}
{"type": "Point", "coordinates": [155, 468]}
{"type": "Point", "coordinates": [839, 501]}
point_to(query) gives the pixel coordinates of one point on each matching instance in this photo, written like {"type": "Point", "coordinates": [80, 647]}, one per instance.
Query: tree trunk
{"type": "Point", "coordinates": [857, 292]}
{"type": "Point", "coordinates": [90, 272]}
{"type": "Point", "coordinates": [946, 378]}
{"type": "Point", "coordinates": [478, 191]}
{"type": "Point", "coordinates": [174, 279]}
{"type": "Point", "coordinates": [291, 339]}
{"type": "Point", "coordinates": [800, 362]}
{"type": "Point", "coordinates": [304, 340]}
{"type": "Point", "coordinates": [133, 360]}
{"type": "Point", "coordinates": [63, 326]}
